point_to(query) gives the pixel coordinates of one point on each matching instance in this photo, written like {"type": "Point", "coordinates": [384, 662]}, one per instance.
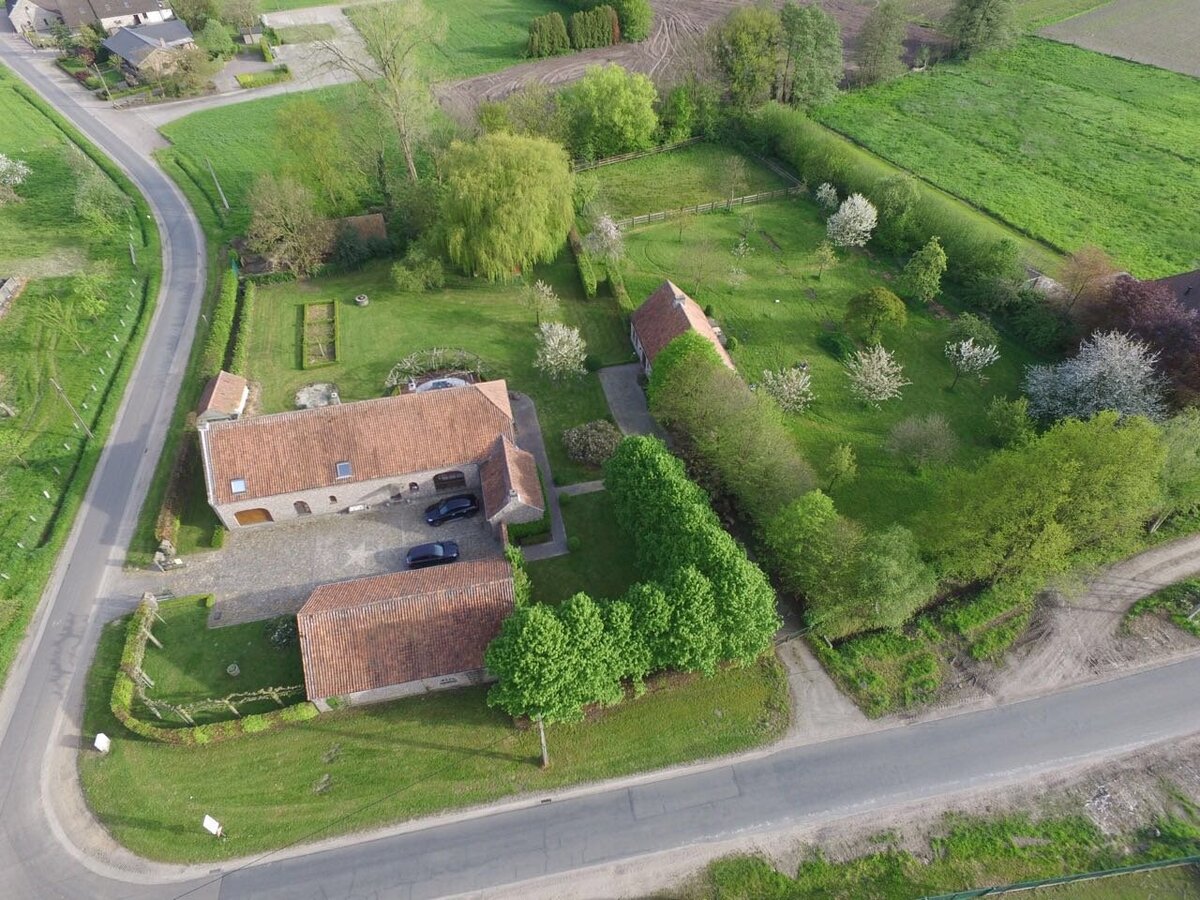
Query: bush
{"type": "Point", "coordinates": [587, 271]}
{"type": "Point", "coordinates": [217, 344]}
{"type": "Point", "coordinates": [547, 36]}
{"type": "Point", "coordinates": [240, 358]}
{"type": "Point", "coordinates": [574, 543]}
{"type": "Point", "coordinates": [616, 284]}
{"type": "Point", "coordinates": [597, 27]}
{"type": "Point", "coordinates": [636, 17]}
{"type": "Point", "coordinates": [265, 49]}
{"type": "Point", "coordinates": [418, 271]}
{"type": "Point", "coordinates": [731, 342]}
{"type": "Point", "coordinates": [250, 80]}
{"type": "Point", "coordinates": [592, 363]}
{"type": "Point", "coordinates": [592, 443]}
{"type": "Point", "coordinates": [837, 344]}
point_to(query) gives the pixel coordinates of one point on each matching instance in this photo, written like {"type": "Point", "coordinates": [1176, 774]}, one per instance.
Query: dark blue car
{"type": "Point", "coordinates": [434, 554]}
{"type": "Point", "coordinates": [462, 506]}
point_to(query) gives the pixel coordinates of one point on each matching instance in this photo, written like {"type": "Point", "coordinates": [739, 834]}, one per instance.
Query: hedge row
{"type": "Point", "coordinates": [547, 36]}
{"type": "Point", "coordinates": [265, 47]}
{"type": "Point", "coordinates": [597, 27]}
{"type": "Point", "coordinates": [221, 330]}
{"type": "Point", "coordinates": [616, 284]}
{"type": "Point", "coordinates": [250, 80]}
{"type": "Point", "coordinates": [239, 359]}
{"type": "Point", "coordinates": [124, 692]}
{"type": "Point", "coordinates": [587, 269]}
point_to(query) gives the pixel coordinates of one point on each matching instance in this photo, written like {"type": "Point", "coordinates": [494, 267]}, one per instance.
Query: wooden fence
{"type": "Point", "coordinates": [749, 199]}
{"type": "Point", "coordinates": [582, 165]}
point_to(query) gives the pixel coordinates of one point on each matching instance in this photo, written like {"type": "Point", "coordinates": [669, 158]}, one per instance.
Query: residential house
{"type": "Point", "coordinates": [665, 315]}
{"type": "Point", "coordinates": [224, 398]}
{"type": "Point", "coordinates": [150, 50]}
{"type": "Point", "coordinates": [27, 15]}
{"type": "Point", "coordinates": [109, 15]}
{"type": "Point", "coordinates": [388, 636]}
{"type": "Point", "coordinates": [1185, 286]}
{"type": "Point", "coordinates": [352, 456]}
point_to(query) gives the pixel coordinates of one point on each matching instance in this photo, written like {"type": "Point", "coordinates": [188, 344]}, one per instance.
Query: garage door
{"type": "Point", "coordinates": [253, 516]}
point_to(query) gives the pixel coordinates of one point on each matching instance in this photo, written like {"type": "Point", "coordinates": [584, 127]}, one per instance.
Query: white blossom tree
{"type": "Point", "coordinates": [605, 240]}
{"type": "Point", "coordinates": [875, 375]}
{"type": "Point", "coordinates": [969, 358]}
{"type": "Point", "coordinates": [13, 173]}
{"type": "Point", "coordinates": [540, 297]}
{"type": "Point", "coordinates": [853, 223]}
{"type": "Point", "coordinates": [791, 388]}
{"type": "Point", "coordinates": [827, 196]}
{"type": "Point", "coordinates": [1110, 371]}
{"type": "Point", "coordinates": [561, 350]}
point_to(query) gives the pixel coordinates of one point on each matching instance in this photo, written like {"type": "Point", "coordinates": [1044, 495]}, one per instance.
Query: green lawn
{"type": "Point", "coordinates": [684, 177]}
{"type": "Point", "coordinates": [603, 566]}
{"type": "Point", "coordinates": [45, 461]}
{"type": "Point", "coordinates": [193, 661]}
{"type": "Point", "coordinates": [486, 319]}
{"type": "Point", "coordinates": [1028, 15]}
{"type": "Point", "coordinates": [1070, 146]}
{"type": "Point", "coordinates": [396, 761]}
{"type": "Point", "coordinates": [777, 317]}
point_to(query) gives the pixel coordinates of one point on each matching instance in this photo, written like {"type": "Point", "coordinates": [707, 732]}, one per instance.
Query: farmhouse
{"type": "Point", "coordinates": [27, 15]}
{"type": "Point", "coordinates": [388, 636]}
{"type": "Point", "coordinates": [665, 315]}
{"type": "Point", "coordinates": [351, 456]}
{"type": "Point", "coordinates": [224, 398]}
{"type": "Point", "coordinates": [150, 50]}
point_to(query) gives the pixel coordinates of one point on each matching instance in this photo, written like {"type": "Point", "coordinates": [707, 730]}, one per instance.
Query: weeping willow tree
{"type": "Point", "coordinates": [507, 204]}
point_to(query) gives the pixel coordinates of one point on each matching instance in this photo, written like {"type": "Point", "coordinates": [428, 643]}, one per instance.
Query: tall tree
{"type": "Point", "coordinates": [285, 226]}
{"type": "Point", "coordinates": [1111, 371]}
{"type": "Point", "coordinates": [875, 375]}
{"type": "Point", "coordinates": [922, 275]}
{"type": "Point", "coordinates": [853, 223]}
{"type": "Point", "coordinates": [970, 358]}
{"type": "Point", "coordinates": [394, 35]}
{"type": "Point", "coordinates": [1152, 313]}
{"type": "Point", "coordinates": [610, 111]}
{"type": "Point", "coordinates": [812, 55]}
{"type": "Point", "coordinates": [895, 197]}
{"type": "Point", "coordinates": [978, 25]}
{"type": "Point", "coordinates": [869, 311]}
{"type": "Point", "coordinates": [745, 47]}
{"type": "Point", "coordinates": [1181, 467]}
{"type": "Point", "coordinates": [507, 203]}
{"type": "Point", "coordinates": [1086, 276]}
{"type": "Point", "coordinates": [311, 134]}
{"type": "Point", "coordinates": [892, 580]}
{"type": "Point", "coordinates": [881, 43]}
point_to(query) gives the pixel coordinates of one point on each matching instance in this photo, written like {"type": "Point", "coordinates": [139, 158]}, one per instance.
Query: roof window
{"type": "Point", "coordinates": [344, 470]}
{"type": "Point", "coordinates": [237, 485]}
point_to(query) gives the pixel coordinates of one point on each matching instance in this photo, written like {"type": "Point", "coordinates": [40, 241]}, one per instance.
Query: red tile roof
{"type": "Point", "coordinates": [297, 451]}
{"type": "Point", "coordinates": [668, 313]}
{"type": "Point", "coordinates": [225, 394]}
{"type": "Point", "coordinates": [390, 629]}
{"type": "Point", "coordinates": [509, 469]}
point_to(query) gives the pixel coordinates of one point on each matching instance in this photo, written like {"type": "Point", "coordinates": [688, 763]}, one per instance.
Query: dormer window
{"type": "Point", "coordinates": [237, 485]}
{"type": "Point", "coordinates": [344, 470]}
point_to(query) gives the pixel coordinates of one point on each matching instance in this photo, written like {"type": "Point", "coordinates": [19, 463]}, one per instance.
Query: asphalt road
{"type": "Point", "coordinates": [39, 807]}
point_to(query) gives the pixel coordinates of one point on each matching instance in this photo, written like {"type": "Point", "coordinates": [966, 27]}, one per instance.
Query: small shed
{"type": "Point", "coordinates": [664, 316]}
{"type": "Point", "coordinates": [224, 398]}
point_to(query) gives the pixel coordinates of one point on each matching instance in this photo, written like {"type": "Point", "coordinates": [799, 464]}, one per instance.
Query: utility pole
{"type": "Point", "coordinates": [542, 735]}
{"type": "Point", "coordinates": [217, 182]}
{"type": "Point", "coordinates": [71, 406]}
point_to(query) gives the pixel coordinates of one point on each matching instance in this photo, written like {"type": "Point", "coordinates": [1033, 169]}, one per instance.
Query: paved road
{"type": "Point", "coordinates": [42, 823]}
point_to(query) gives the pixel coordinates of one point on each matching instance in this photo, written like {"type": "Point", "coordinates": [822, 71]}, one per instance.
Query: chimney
{"type": "Point", "coordinates": [679, 298]}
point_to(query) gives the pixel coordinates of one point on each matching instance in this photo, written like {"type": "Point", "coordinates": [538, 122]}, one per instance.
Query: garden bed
{"type": "Point", "coordinates": [319, 334]}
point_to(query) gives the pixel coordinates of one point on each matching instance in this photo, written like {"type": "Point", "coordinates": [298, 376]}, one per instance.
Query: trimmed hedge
{"type": "Point", "coordinates": [616, 284]}
{"type": "Point", "coordinates": [250, 80]}
{"type": "Point", "coordinates": [547, 36]}
{"type": "Point", "coordinates": [587, 270]}
{"type": "Point", "coordinates": [598, 27]}
{"type": "Point", "coordinates": [636, 17]}
{"type": "Point", "coordinates": [217, 345]}
{"type": "Point", "coordinates": [239, 359]}
{"type": "Point", "coordinates": [265, 48]}
{"type": "Point", "coordinates": [124, 692]}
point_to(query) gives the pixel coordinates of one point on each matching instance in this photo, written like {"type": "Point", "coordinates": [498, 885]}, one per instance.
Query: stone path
{"type": "Point", "coordinates": [627, 400]}
{"type": "Point", "coordinates": [584, 487]}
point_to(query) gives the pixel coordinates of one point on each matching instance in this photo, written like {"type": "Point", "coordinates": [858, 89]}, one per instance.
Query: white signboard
{"type": "Point", "coordinates": [102, 742]}
{"type": "Point", "coordinates": [212, 826]}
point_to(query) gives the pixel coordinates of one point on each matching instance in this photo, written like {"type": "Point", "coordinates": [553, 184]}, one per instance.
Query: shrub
{"type": "Point", "coordinates": [251, 80]}
{"type": "Point", "coordinates": [418, 271]}
{"type": "Point", "coordinates": [837, 344]}
{"type": "Point", "coordinates": [616, 284]}
{"type": "Point", "coordinates": [221, 329]}
{"type": "Point", "coordinates": [731, 342]}
{"type": "Point", "coordinates": [636, 17]}
{"type": "Point", "coordinates": [592, 363]}
{"type": "Point", "coordinates": [922, 440]}
{"type": "Point", "coordinates": [592, 443]}
{"type": "Point", "coordinates": [265, 49]}
{"type": "Point", "coordinates": [597, 27]}
{"type": "Point", "coordinates": [547, 36]}
{"type": "Point", "coordinates": [574, 543]}
{"type": "Point", "coordinates": [587, 271]}
{"type": "Point", "coordinates": [239, 359]}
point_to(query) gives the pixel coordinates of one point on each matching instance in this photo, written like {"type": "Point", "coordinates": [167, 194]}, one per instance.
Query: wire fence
{"type": "Point", "coordinates": [664, 215]}
{"type": "Point", "coordinates": [1065, 879]}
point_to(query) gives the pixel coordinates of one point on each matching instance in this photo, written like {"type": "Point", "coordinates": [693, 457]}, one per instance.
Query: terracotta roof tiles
{"type": "Point", "coordinates": [507, 469]}
{"type": "Point", "coordinates": [668, 313]}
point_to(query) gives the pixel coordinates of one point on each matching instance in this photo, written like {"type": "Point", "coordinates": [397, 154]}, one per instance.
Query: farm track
{"type": "Point", "coordinates": [678, 26]}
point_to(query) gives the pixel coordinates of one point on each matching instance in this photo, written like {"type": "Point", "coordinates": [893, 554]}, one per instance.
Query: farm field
{"type": "Point", "coordinates": [1027, 14]}
{"type": "Point", "coordinates": [683, 177]}
{"type": "Point", "coordinates": [486, 319]}
{"type": "Point", "coordinates": [1069, 146]}
{"type": "Point", "coordinates": [421, 755]}
{"type": "Point", "coordinates": [1161, 33]}
{"type": "Point", "coordinates": [778, 317]}
{"type": "Point", "coordinates": [45, 458]}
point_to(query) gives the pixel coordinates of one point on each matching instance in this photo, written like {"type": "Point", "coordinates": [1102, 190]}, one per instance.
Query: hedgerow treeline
{"type": "Point", "coordinates": [594, 25]}
{"type": "Point", "coordinates": [703, 602]}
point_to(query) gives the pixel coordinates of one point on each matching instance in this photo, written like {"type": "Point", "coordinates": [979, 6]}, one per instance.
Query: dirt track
{"type": "Point", "coordinates": [668, 50]}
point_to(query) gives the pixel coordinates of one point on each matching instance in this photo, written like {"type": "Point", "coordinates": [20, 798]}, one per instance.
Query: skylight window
{"type": "Point", "coordinates": [238, 485]}
{"type": "Point", "coordinates": [344, 470]}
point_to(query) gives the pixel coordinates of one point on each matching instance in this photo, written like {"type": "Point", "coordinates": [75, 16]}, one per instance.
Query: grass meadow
{"type": "Point", "coordinates": [603, 566]}
{"type": "Point", "coordinates": [1028, 15]}
{"type": "Point", "coordinates": [391, 762]}
{"type": "Point", "coordinates": [45, 458]}
{"type": "Point", "coordinates": [1066, 145]}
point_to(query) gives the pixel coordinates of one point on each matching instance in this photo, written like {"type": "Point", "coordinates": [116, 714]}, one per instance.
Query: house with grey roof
{"type": "Point", "coordinates": [150, 50]}
{"type": "Point", "coordinates": [40, 15]}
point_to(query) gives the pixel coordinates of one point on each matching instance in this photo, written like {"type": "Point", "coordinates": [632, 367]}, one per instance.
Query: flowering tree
{"type": "Point", "coordinates": [969, 358]}
{"type": "Point", "coordinates": [852, 224]}
{"type": "Point", "coordinates": [827, 196]}
{"type": "Point", "coordinates": [875, 375]}
{"type": "Point", "coordinates": [791, 388]}
{"type": "Point", "coordinates": [12, 173]}
{"type": "Point", "coordinates": [825, 257]}
{"type": "Point", "coordinates": [561, 350]}
{"type": "Point", "coordinates": [605, 240]}
{"type": "Point", "coordinates": [540, 297]}
{"type": "Point", "coordinates": [1111, 371]}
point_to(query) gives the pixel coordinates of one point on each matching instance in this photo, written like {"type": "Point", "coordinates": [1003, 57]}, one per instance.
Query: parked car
{"type": "Point", "coordinates": [462, 506]}
{"type": "Point", "coordinates": [434, 554]}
